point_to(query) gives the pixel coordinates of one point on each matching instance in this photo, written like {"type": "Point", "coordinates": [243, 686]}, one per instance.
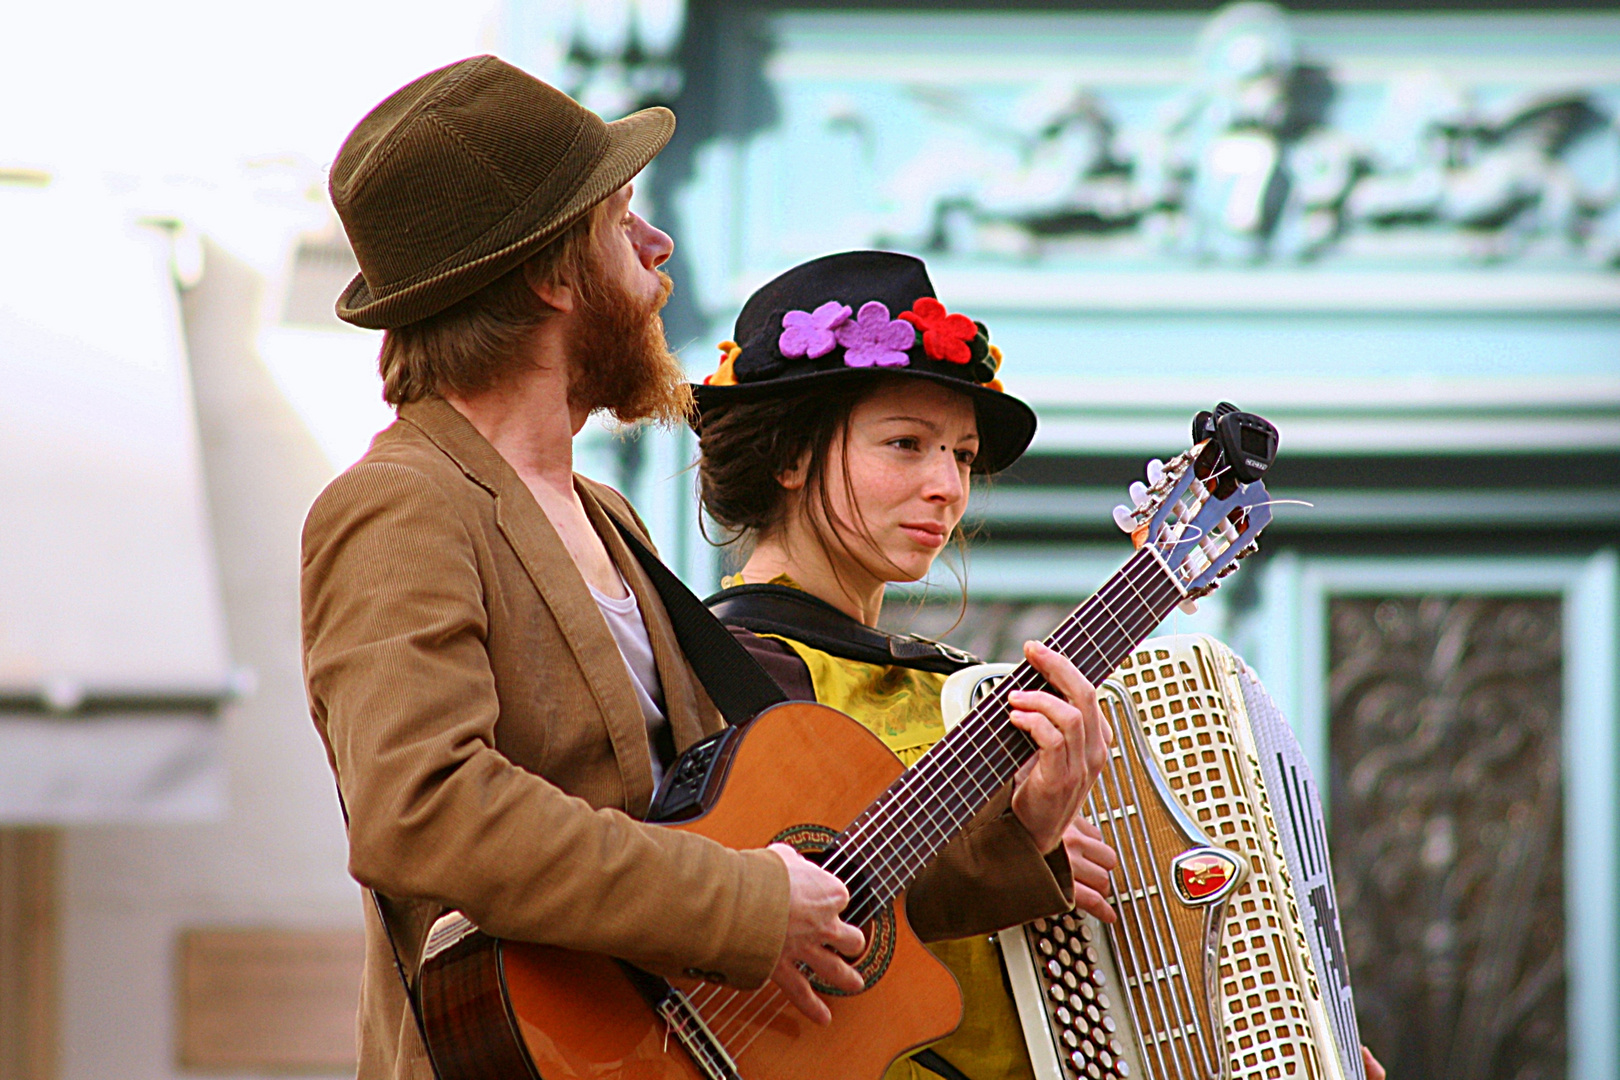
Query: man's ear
{"type": "Point", "coordinates": [559, 296]}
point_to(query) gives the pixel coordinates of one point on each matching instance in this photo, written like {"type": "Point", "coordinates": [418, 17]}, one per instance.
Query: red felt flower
{"type": "Point", "coordinates": [945, 336]}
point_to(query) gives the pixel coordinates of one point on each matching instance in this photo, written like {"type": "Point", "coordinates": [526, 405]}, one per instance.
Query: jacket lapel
{"type": "Point", "coordinates": [561, 587]}
{"type": "Point", "coordinates": [681, 689]}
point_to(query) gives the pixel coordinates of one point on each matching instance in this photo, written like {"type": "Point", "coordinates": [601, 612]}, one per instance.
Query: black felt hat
{"type": "Point", "coordinates": [861, 314]}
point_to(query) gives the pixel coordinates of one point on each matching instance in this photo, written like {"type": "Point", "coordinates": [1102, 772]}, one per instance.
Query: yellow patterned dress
{"type": "Point", "coordinates": [900, 705]}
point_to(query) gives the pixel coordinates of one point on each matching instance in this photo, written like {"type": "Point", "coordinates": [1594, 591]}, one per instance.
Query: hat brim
{"type": "Point", "coordinates": [1006, 424]}
{"type": "Point", "coordinates": [631, 143]}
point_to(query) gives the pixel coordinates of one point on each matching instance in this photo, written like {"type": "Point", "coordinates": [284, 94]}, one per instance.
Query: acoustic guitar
{"type": "Point", "coordinates": [809, 776]}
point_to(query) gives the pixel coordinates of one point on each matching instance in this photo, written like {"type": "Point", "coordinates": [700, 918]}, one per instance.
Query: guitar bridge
{"type": "Point", "coordinates": [685, 1024]}
{"type": "Point", "coordinates": [694, 1035]}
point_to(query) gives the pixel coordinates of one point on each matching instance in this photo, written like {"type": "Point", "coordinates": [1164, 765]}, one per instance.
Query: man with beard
{"type": "Point", "coordinates": [493, 674]}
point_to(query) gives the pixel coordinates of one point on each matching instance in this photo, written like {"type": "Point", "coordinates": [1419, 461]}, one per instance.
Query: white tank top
{"type": "Point", "coordinates": [630, 631]}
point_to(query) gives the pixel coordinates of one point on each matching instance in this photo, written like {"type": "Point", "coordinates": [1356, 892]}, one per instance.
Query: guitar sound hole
{"type": "Point", "coordinates": [813, 842]}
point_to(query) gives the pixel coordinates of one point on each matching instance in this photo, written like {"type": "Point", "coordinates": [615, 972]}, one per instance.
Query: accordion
{"type": "Point", "coordinates": [1226, 960]}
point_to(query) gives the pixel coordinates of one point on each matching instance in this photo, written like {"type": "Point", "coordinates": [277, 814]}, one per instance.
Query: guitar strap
{"type": "Point", "coordinates": [737, 685]}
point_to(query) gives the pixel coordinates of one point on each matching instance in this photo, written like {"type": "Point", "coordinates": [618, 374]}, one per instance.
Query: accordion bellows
{"type": "Point", "coordinates": [1226, 961]}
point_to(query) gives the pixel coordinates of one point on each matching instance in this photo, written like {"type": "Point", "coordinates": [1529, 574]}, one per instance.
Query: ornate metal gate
{"type": "Point", "coordinates": [1447, 830]}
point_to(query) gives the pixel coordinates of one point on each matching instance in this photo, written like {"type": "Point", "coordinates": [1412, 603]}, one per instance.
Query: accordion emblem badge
{"type": "Point", "coordinates": [1226, 962]}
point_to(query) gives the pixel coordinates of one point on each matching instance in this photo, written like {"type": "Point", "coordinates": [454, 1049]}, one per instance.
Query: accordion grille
{"type": "Point", "coordinates": [1183, 707]}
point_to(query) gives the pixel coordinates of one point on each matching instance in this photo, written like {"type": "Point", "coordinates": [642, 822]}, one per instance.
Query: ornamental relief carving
{"type": "Point", "coordinates": [1447, 830]}
{"type": "Point", "coordinates": [1268, 154]}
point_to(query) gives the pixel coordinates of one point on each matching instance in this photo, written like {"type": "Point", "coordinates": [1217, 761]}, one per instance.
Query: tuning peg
{"type": "Point", "coordinates": [1188, 607]}
{"type": "Point", "coordinates": [1125, 519]}
{"type": "Point", "coordinates": [1155, 472]}
{"type": "Point", "coordinates": [1138, 492]}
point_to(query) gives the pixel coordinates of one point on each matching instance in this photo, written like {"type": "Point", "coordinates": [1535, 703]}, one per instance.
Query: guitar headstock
{"type": "Point", "coordinates": [1203, 509]}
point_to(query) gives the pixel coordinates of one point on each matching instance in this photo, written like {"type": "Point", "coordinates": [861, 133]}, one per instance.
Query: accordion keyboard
{"type": "Point", "coordinates": [1213, 970]}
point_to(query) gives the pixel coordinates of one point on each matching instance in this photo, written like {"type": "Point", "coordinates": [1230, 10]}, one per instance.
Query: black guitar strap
{"type": "Point", "coordinates": [737, 685]}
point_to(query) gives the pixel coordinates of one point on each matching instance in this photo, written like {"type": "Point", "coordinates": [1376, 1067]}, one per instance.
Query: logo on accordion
{"type": "Point", "coordinates": [1204, 875]}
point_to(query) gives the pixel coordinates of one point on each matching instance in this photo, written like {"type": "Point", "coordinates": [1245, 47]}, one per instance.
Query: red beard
{"type": "Point", "coordinates": [619, 361]}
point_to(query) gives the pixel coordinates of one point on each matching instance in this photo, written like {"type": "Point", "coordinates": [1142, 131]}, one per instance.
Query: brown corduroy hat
{"type": "Point", "coordinates": [463, 174]}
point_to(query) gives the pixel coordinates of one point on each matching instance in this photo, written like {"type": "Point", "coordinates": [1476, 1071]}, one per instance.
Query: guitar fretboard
{"type": "Point", "coordinates": [884, 849]}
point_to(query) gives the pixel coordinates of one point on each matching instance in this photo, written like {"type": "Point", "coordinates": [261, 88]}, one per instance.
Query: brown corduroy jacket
{"type": "Point", "coordinates": [491, 755]}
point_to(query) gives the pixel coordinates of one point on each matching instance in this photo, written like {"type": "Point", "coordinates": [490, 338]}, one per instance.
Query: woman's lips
{"type": "Point", "coordinates": [925, 533]}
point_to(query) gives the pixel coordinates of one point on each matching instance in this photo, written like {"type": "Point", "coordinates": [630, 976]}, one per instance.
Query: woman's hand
{"type": "Point", "coordinates": [815, 936]}
{"type": "Point", "coordinates": [1091, 861]}
{"type": "Point", "coordinates": [1073, 742]}
{"type": "Point", "coordinates": [1374, 1070]}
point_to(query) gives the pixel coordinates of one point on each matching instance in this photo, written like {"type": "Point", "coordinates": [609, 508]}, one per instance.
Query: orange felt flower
{"type": "Point", "coordinates": [945, 336]}
{"type": "Point", "coordinates": [995, 384]}
{"type": "Point", "coordinates": [729, 351]}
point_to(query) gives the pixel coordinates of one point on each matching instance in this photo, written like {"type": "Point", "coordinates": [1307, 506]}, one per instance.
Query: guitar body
{"type": "Point", "coordinates": [799, 774]}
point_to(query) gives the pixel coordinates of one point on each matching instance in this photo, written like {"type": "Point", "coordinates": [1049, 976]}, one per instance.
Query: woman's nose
{"type": "Point", "coordinates": [944, 478]}
{"type": "Point", "coordinates": [653, 244]}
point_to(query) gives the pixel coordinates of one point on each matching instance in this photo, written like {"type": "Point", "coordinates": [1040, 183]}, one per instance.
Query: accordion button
{"type": "Point", "coordinates": [1091, 955]}
{"type": "Point", "coordinates": [1056, 991]}
{"type": "Point", "coordinates": [1046, 947]}
{"type": "Point", "coordinates": [1071, 1039]}
{"type": "Point", "coordinates": [1087, 991]}
{"type": "Point", "coordinates": [1106, 1021]}
{"type": "Point", "coordinates": [1097, 977]}
{"type": "Point", "coordinates": [1090, 1051]}
{"type": "Point", "coordinates": [1107, 1059]}
{"type": "Point", "coordinates": [1084, 931]}
{"type": "Point", "coordinates": [1040, 926]}
{"type": "Point", "coordinates": [1077, 1061]}
{"type": "Point", "coordinates": [1068, 978]}
{"type": "Point", "coordinates": [1064, 958]}
{"type": "Point", "coordinates": [1059, 935]}
{"type": "Point", "coordinates": [1122, 1070]}
{"type": "Point", "coordinates": [1065, 1017]}
{"type": "Point", "coordinates": [1102, 1003]}
{"type": "Point", "coordinates": [1054, 969]}
{"type": "Point", "coordinates": [1094, 1072]}
{"type": "Point", "coordinates": [1070, 922]}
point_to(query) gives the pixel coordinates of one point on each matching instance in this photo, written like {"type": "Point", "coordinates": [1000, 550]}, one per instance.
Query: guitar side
{"type": "Point", "coordinates": [512, 1009]}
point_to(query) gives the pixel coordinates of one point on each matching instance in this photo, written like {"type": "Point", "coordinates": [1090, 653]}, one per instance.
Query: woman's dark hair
{"type": "Point", "coordinates": [746, 446]}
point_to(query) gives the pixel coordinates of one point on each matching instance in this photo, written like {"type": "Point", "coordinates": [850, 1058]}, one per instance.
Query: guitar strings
{"type": "Point", "coordinates": [993, 726]}
{"type": "Point", "coordinates": [972, 743]}
{"type": "Point", "coordinates": [734, 1023]}
{"type": "Point", "coordinates": [981, 725]}
{"type": "Point", "coordinates": [1019, 680]}
{"type": "Point", "coordinates": [973, 731]}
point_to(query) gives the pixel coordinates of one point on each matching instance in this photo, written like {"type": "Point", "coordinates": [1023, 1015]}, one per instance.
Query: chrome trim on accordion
{"type": "Point", "coordinates": [1222, 975]}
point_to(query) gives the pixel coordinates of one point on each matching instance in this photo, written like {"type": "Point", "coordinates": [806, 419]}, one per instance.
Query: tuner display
{"type": "Point", "coordinates": [1249, 443]}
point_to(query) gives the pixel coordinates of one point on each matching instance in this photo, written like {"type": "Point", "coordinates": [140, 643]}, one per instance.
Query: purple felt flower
{"type": "Point", "coordinates": [875, 339]}
{"type": "Point", "coordinates": [812, 333]}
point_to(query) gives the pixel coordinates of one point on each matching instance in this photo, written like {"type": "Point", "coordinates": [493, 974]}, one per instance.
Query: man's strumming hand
{"type": "Point", "coordinates": [816, 936]}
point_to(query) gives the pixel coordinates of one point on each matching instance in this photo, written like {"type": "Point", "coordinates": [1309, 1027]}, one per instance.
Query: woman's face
{"type": "Point", "coordinates": [910, 444]}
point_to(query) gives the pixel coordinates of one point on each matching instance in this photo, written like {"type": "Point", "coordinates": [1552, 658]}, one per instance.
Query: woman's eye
{"type": "Point", "coordinates": [904, 443]}
{"type": "Point", "coordinates": [965, 457]}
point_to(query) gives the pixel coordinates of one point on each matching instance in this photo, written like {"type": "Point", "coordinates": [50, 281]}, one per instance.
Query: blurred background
{"type": "Point", "coordinates": [1392, 228]}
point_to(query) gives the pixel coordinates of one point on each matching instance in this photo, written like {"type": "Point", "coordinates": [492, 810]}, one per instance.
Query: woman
{"type": "Point", "coordinates": [838, 442]}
